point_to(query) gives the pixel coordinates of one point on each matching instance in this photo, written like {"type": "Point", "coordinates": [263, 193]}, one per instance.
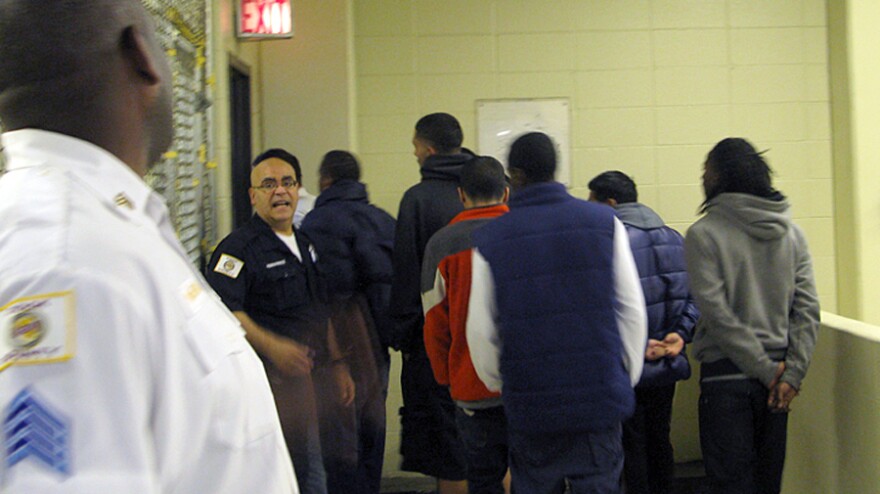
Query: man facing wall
{"type": "Point", "coordinates": [659, 254]}
{"type": "Point", "coordinates": [446, 283]}
{"type": "Point", "coordinates": [429, 442]}
{"type": "Point", "coordinates": [555, 281]}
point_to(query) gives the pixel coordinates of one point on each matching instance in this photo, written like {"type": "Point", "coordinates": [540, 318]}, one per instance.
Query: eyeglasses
{"type": "Point", "coordinates": [270, 184]}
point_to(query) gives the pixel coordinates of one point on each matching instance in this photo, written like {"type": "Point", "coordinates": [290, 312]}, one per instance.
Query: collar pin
{"type": "Point", "coordinates": [122, 200]}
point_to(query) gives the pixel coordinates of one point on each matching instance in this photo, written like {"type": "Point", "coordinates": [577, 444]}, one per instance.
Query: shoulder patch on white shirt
{"type": "Point", "coordinates": [39, 329]}
{"type": "Point", "coordinates": [193, 294]}
{"type": "Point", "coordinates": [229, 266]}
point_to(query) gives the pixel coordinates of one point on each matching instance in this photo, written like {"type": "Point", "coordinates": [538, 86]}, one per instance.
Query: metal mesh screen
{"type": "Point", "coordinates": [183, 176]}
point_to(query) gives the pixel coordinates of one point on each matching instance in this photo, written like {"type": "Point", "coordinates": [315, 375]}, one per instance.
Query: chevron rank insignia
{"type": "Point", "coordinates": [32, 429]}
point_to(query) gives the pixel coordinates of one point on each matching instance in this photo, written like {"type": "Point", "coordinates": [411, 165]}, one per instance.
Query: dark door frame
{"type": "Point", "coordinates": [240, 132]}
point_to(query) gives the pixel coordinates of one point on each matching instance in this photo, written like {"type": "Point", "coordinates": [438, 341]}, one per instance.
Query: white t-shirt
{"type": "Point", "coordinates": [290, 242]}
{"type": "Point", "coordinates": [124, 372]}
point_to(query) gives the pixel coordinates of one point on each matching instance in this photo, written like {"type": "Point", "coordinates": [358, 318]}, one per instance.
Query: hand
{"type": "Point", "coordinates": [674, 344]}
{"type": "Point", "coordinates": [655, 351]}
{"type": "Point", "coordinates": [779, 370]}
{"type": "Point", "coordinates": [344, 383]}
{"type": "Point", "coordinates": [290, 357]}
{"type": "Point", "coordinates": [781, 397]}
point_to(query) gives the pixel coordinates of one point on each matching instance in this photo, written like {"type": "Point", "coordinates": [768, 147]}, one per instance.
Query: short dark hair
{"type": "Point", "coordinates": [283, 155]}
{"type": "Point", "coordinates": [535, 155]}
{"type": "Point", "coordinates": [738, 167]}
{"type": "Point", "coordinates": [441, 131]}
{"type": "Point", "coordinates": [340, 165]}
{"type": "Point", "coordinates": [614, 185]}
{"type": "Point", "coordinates": [52, 70]}
{"type": "Point", "coordinates": [482, 179]}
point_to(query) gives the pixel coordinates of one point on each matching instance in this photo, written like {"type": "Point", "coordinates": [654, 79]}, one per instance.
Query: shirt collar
{"type": "Point", "coordinates": [111, 180]}
{"type": "Point", "coordinates": [480, 212]}
{"type": "Point", "coordinates": [538, 193]}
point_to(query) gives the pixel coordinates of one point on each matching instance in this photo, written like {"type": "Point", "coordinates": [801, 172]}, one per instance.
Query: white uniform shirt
{"type": "Point", "coordinates": [121, 369]}
{"type": "Point", "coordinates": [484, 342]}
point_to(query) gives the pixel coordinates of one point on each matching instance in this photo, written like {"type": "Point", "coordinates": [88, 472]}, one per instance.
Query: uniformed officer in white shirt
{"type": "Point", "coordinates": [120, 370]}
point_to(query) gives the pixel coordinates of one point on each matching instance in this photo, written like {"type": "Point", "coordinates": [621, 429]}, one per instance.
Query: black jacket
{"type": "Point", "coordinates": [354, 241]}
{"type": "Point", "coordinates": [425, 208]}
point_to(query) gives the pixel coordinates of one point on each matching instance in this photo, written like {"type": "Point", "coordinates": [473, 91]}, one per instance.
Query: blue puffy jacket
{"type": "Point", "coordinates": [659, 254]}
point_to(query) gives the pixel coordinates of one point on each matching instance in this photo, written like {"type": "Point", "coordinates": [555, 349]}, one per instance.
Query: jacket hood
{"type": "Point", "coordinates": [638, 215]}
{"type": "Point", "coordinates": [762, 218]}
{"type": "Point", "coordinates": [444, 166]}
{"type": "Point", "coordinates": [343, 190]}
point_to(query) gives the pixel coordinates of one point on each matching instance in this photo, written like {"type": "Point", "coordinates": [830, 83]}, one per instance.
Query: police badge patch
{"type": "Point", "coordinates": [229, 266]}
{"type": "Point", "coordinates": [38, 329]}
{"type": "Point", "coordinates": [27, 330]}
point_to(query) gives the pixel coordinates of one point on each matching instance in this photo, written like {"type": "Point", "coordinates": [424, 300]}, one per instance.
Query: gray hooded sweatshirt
{"type": "Point", "coordinates": [752, 279]}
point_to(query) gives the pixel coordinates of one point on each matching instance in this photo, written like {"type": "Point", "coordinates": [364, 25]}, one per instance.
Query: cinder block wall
{"type": "Point", "coordinates": [653, 85]}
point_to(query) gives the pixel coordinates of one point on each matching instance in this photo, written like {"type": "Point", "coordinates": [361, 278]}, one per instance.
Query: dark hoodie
{"type": "Point", "coordinates": [425, 208]}
{"type": "Point", "coordinates": [752, 278]}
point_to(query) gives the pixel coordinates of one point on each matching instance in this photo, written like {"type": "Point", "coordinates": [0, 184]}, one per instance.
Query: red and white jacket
{"type": "Point", "coordinates": [446, 287]}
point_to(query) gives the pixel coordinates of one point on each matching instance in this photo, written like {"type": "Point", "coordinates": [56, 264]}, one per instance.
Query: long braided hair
{"type": "Point", "coordinates": [736, 166]}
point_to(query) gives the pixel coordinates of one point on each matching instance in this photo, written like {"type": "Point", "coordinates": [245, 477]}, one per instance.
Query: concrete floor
{"type": "Point", "coordinates": [688, 480]}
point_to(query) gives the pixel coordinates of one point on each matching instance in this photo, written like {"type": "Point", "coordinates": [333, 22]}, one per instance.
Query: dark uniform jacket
{"type": "Point", "coordinates": [255, 272]}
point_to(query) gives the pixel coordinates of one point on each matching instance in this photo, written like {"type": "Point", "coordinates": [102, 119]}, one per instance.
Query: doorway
{"type": "Point", "coordinates": [240, 121]}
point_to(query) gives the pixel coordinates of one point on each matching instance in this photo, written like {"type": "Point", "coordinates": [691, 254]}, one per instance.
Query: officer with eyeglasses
{"type": "Point", "coordinates": [265, 274]}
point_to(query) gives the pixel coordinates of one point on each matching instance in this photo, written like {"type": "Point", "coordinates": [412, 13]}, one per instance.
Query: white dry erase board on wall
{"type": "Point", "coordinates": [500, 122]}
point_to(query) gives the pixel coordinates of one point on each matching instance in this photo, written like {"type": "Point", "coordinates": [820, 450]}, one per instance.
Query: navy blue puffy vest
{"type": "Point", "coordinates": [561, 360]}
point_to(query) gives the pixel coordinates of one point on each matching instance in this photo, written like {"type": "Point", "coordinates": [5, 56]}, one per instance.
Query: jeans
{"type": "Point", "coordinates": [743, 442]}
{"type": "Point", "coordinates": [563, 463]}
{"type": "Point", "coordinates": [648, 467]}
{"type": "Point", "coordinates": [484, 432]}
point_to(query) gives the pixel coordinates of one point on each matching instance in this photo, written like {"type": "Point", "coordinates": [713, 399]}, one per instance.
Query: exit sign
{"type": "Point", "coordinates": [265, 19]}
